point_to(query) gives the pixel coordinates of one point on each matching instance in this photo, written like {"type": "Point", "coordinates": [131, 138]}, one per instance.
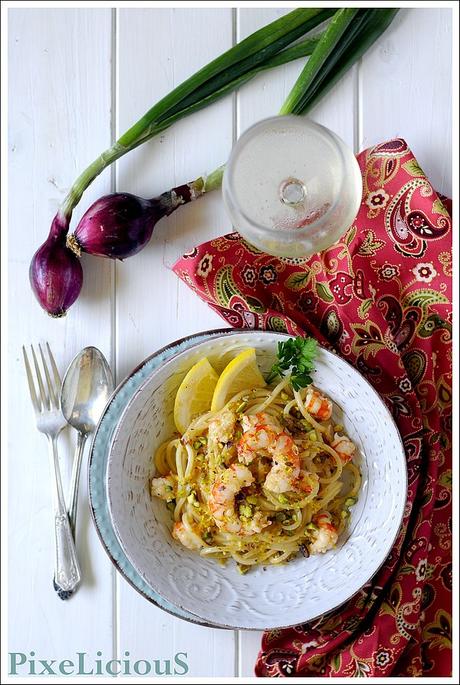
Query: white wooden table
{"type": "Point", "coordinates": [79, 78]}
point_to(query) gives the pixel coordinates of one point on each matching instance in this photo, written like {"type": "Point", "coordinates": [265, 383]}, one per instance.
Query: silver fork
{"type": "Point", "coordinates": [50, 421]}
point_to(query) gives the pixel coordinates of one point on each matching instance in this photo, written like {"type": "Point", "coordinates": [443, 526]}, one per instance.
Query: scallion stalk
{"type": "Point", "coordinates": [301, 49]}
{"type": "Point", "coordinates": [347, 37]}
{"type": "Point", "coordinates": [227, 72]}
{"type": "Point", "coordinates": [329, 40]}
{"type": "Point", "coordinates": [374, 24]}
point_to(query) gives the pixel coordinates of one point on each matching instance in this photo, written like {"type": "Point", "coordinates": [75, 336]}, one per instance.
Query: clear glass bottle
{"type": "Point", "coordinates": [291, 186]}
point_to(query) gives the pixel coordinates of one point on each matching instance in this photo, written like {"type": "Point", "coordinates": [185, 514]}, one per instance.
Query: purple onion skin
{"type": "Point", "coordinates": [117, 226]}
{"type": "Point", "coordinates": [55, 273]}
{"type": "Point", "coordinates": [120, 225]}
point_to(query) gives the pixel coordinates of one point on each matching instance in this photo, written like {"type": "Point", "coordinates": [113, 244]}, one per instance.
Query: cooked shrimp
{"type": "Point", "coordinates": [248, 423]}
{"type": "Point", "coordinates": [317, 405]}
{"type": "Point", "coordinates": [222, 502]}
{"type": "Point", "coordinates": [164, 487]}
{"type": "Point", "coordinates": [264, 437]}
{"type": "Point", "coordinates": [325, 537]}
{"type": "Point", "coordinates": [187, 537]}
{"type": "Point", "coordinates": [222, 426]}
{"type": "Point", "coordinates": [307, 482]}
{"type": "Point", "coordinates": [285, 471]}
{"type": "Point", "coordinates": [259, 437]}
{"type": "Point", "coordinates": [344, 447]}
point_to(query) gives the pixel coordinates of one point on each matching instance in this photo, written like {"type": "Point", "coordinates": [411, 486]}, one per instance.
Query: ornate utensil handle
{"type": "Point", "coordinates": [67, 570]}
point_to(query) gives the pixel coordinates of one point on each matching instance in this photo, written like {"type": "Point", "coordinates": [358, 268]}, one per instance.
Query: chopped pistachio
{"type": "Point", "coordinates": [344, 513]}
{"type": "Point", "coordinates": [284, 395]}
{"type": "Point", "coordinates": [338, 428]}
{"type": "Point", "coordinates": [312, 435]}
{"type": "Point", "coordinates": [245, 511]}
{"type": "Point", "coordinates": [282, 499]}
{"type": "Point", "coordinates": [252, 499]}
{"type": "Point", "coordinates": [311, 526]}
{"type": "Point", "coordinates": [350, 501]}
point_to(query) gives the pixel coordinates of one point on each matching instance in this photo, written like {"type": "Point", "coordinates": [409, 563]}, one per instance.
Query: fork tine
{"type": "Point", "coordinates": [49, 382]}
{"type": "Point", "coordinates": [57, 378]}
{"type": "Point", "coordinates": [30, 381]}
{"type": "Point", "coordinates": [44, 398]}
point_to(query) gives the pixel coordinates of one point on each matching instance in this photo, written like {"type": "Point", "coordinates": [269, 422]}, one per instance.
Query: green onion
{"type": "Point", "coordinates": [329, 40]}
{"type": "Point", "coordinates": [301, 49]}
{"type": "Point", "coordinates": [216, 79]}
{"type": "Point", "coordinates": [56, 275]}
{"type": "Point", "coordinates": [349, 34]}
{"type": "Point", "coordinates": [346, 38]}
{"type": "Point", "coordinates": [241, 407]}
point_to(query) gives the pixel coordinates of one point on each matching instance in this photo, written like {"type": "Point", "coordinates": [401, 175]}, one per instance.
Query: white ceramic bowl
{"type": "Point", "coordinates": [267, 597]}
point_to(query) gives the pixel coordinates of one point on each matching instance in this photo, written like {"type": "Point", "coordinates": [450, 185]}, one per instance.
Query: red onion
{"type": "Point", "coordinates": [120, 225]}
{"type": "Point", "coordinates": [116, 226]}
{"type": "Point", "coordinates": [55, 273]}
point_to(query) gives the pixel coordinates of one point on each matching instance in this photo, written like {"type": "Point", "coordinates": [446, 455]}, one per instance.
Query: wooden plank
{"type": "Point", "coordinates": [406, 90]}
{"type": "Point", "coordinates": [249, 646]}
{"type": "Point", "coordinates": [59, 117]}
{"type": "Point", "coordinates": [156, 50]}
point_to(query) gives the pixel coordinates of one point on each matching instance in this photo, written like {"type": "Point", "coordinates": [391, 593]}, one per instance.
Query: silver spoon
{"type": "Point", "coordinates": [86, 388]}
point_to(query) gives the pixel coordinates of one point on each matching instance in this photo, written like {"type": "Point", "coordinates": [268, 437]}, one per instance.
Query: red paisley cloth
{"type": "Point", "coordinates": [381, 298]}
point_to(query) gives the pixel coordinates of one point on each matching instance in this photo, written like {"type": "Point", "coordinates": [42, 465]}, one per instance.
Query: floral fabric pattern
{"type": "Point", "coordinates": [381, 298]}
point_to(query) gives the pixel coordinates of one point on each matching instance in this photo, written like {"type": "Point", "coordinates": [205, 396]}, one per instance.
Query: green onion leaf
{"type": "Point", "coordinates": [349, 34]}
{"type": "Point", "coordinates": [329, 40]}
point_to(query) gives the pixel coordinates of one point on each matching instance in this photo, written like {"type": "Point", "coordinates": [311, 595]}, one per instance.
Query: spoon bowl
{"type": "Point", "coordinates": [86, 388]}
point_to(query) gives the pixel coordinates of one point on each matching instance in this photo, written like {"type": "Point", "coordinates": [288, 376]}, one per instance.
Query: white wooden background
{"type": "Point", "coordinates": [77, 79]}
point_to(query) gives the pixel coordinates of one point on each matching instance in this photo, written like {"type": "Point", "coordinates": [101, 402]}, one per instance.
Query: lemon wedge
{"type": "Point", "coordinates": [242, 372]}
{"type": "Point", "coordinates": [195, 394]}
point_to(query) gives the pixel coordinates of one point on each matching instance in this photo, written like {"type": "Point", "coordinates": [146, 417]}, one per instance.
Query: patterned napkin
{"type": "Point", "coordinates": [381, 298]}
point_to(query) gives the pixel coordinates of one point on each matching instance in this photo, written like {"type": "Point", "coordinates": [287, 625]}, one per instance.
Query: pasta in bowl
{"type": "Point", "coordinates": [266, 477]}
{"type": "Point", "coordinates": [270, 595]}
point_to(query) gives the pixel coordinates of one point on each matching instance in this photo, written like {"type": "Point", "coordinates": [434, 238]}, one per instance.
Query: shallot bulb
{"type": "Point", "coordinates": [120, 225]}
{"type": "Point", "coordinates": [55, 273]}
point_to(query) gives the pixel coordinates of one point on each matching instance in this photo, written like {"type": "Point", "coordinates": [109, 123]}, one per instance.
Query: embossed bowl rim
{"type": "Point", "coordinates": [200, 338]}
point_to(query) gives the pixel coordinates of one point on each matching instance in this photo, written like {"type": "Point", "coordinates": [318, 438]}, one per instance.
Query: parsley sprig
{"type": "Point", "coordinates": [297, 354]}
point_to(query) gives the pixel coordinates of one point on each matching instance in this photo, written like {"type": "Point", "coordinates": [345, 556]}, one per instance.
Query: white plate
{"type": "Point", "coordinates": [267, 597]}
